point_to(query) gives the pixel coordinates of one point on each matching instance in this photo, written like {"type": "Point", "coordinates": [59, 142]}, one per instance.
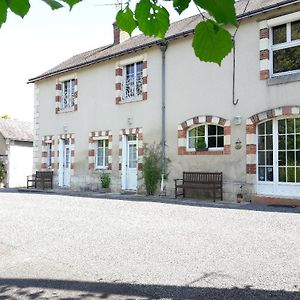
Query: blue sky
{"type": "Point", "coordinates": [45, 38]}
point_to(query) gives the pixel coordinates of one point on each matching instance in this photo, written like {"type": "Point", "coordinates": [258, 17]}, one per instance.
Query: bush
{"type": "Point", "coordinates": [2, 171]}
{"type": "Point", "coordinates": [105, 180]}
{"type": "Point", "coordinates": [152, 167]}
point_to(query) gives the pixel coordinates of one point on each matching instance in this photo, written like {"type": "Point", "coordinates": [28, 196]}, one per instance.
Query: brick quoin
{"type": "Point", "coordinates": [287, 110]}
{"type": "Point", "coordinates": [264, 74]}
{"type": "Point", "coordinates": [264, 54]}
{"type": "Point", "coordinates": [251, 168]}
{"type": "Point", "coordinates": [251, 149]}
{"type": "Point", "coordinates": [264, 33]}
{"type": "Point", "coordinates": [250, 129]}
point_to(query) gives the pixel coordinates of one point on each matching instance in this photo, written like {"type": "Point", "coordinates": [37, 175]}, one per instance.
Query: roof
{"type": "Point", "coordinates": [244, 9]}
{"type": "Point", "coordinates": [16, 130]}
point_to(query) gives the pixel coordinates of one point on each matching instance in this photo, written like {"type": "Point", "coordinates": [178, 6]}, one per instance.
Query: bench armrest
{"type": "Point", "coordinates": [31, 177]}
{"type": "Point", "coordinates": [178, 179]}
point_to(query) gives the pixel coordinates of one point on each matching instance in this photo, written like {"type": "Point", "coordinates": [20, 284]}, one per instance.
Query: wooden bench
{"type": "Point", "coordinates": [40, 179]}
{"type": "Point", "coordinates": [200, 181]}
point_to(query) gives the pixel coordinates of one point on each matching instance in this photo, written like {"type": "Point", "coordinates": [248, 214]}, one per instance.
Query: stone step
{"type": "Point", "coordinates": [276, 200]}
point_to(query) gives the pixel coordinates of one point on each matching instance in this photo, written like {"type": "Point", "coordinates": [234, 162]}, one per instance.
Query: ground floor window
{"type": "Point", "coordinates": [102, 154]}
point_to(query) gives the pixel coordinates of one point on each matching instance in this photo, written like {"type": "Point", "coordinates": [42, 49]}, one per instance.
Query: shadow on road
{"type": "Point", "coordinates": [16, 288]}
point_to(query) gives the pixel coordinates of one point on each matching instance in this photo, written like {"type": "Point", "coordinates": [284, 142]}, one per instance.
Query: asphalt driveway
{"type": "Point", "coordinates": [62, 247]}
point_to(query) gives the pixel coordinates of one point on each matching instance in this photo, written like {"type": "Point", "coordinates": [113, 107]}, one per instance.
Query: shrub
{"type": "Point", "coordinates": [152, 167]}
{"type": "Point", "coordinates": [105, 180]}
{"type": "Point", "coordinates": [2, 171]}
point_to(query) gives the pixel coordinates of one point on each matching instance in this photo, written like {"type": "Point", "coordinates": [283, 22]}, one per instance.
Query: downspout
{"type": "Point", "coordinates": [163, 47]}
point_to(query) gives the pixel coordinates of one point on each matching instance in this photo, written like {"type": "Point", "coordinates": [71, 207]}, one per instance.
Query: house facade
{"type": "Point", "coordinates": [95, 111]}
{"type": "Point", "coordinates": [16, 151]}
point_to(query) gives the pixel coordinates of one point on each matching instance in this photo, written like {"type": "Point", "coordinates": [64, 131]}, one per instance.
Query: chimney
{"type": "Point", "coordinates": [119, 35]}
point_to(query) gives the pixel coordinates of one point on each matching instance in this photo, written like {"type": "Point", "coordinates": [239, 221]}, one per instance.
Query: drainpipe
{"type": "Point", "coordinates": [163, 47]}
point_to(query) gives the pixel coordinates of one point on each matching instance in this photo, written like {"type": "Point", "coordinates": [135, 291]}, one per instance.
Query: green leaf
{"type": "Point", "coordinates": [53, 4]}
{"type": "Point", "coordinates": [211, 42]}
{"type": "Point", "coordinates": [222, 10]}
{"type": "Point", "coordinates": [3, 11]}
{"type": "Point", "coordinates": [71, 3]}
{"type": "Point", "coordinates": [152, 19]}
{"type": "Point", "coordinates": [181, 5]}
{"type": "Point", "coordinates": [19, 7]}
{"type": "Point", "coordinates": [125, 20]}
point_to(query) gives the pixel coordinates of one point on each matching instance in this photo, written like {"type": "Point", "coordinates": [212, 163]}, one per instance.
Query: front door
{"type": "Point", "coordinates": [65, 165]}
{"type": "Point", "coordinates": [278, 159]}
{"type": "Point", "coordinates": [129, 162]}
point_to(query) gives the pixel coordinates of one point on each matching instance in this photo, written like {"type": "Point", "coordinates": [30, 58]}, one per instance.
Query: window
{"type": "Point", "coordinates": [68, 94]}
{"type": "Point", "coordinates": [206, 136]}
{"type": "Point", "coordinates": [49, 155]}
{"type": "Point", "coordinates": [102, 154]}
{"type": "Point", "coordinates": [285, 48]}
{"type": "Point", "coordinates": [133, 80]}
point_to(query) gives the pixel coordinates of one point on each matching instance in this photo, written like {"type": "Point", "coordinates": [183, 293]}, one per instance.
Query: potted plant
{"type": "Point", "coordinates": [240, 196]}
{"type": "Point", "coordinates": [200, 145]}
{"type": "Point", "coordinates": [105, 182]}
{"type": "Point", "coordinates": [2, 174]}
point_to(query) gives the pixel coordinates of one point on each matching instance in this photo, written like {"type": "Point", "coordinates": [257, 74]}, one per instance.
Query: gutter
{"type": "Point", "coordinates": [158, 41]}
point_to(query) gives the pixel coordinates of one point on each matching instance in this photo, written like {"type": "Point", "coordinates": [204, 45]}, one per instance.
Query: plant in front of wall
{"type": "Point", "coordinates": [152, 167]}
{"type": "Point", "coordinates": [200, 144]}
{"type": "Point", "coordinates": [105, 180]}
{"type": "Point", "coordinates": [2, 172]}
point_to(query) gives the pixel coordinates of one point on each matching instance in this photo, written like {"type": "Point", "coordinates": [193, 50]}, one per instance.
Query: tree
{"type": "Point", "coordinates": [5, 117]}
{"type": "Point", "coordinates": [211, 41]}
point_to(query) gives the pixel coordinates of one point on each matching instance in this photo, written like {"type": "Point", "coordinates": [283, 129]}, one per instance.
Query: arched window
{"type": "Point", "coordinates": [206, 136]}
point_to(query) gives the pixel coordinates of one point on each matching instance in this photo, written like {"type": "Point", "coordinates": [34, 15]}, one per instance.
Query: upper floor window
{"type": "Point", "coordinates": [102, 154]}
{"type": "Point", "coordinates": [285, 48]}
{"type": "Point", "coordinates": [206, 136]}
{"type": "Point", "coordinates": [68, 94]}
{"type": "Point", "coordinates": [133, 80]}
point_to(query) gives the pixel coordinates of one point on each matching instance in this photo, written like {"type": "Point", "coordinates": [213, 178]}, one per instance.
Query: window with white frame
{"type": "Point", "coordinates": [101, 154]}
{"type": "Point", "coordinates": [133, 80]}
{"type": "Point", "coordinates": [67, 94]}
{"type": "Point", "coordinates": [206, 136]}
{"type": "Point", "coordinates": [285, 48]}
{"type": "Point", "coordinates": [49, 155]}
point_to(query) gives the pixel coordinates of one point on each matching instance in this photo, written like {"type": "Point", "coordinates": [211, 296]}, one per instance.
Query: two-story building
{"type": "Point", "coordinates": [95, 111]}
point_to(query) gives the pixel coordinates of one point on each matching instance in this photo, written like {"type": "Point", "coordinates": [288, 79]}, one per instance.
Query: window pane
{"type": "Point", "coordinates": [290, 175]}
{"type": "Point", "coordinates": [261, 128]}
{"type": "Point", "coordinates": [139, 67]}
{"type": "Point", "coordinates": [220, 130]}
{"type": "Point", "coordinates": [269, 127]}
{"type": "Point", "coordinates": [295, 28]}
{"type": "Point", "coordinates": [298, 158]}
{"type": "Point", "coordinates": [200, 131]}
{"type": "Point", "coordinates": [282, 174]}
{"type": "Point", "coordinates": [298, 141]}
{"type": "Point", "coordinates": [297, 174]}
{"type": "Point", "coordinates": [269, 156]}
{"type": "Point", "coordinates": [290, 142]}
{"type": "Point", "coordinates": [220, 141]}
{"type": "Point", "coordinates": [261, 158]}
{"type": "Point", "coordinates": [192, 142]}
{"type": "Point", "coordinates": [282, 158]}
{"type": "Point", "coordinates": [281, 126]}
{"type": "Point", "coordinates": [261, 174]}
{"type": "Point", "coordinates": [261, 142]}
{"type": "Point", "coordinates": [290, 125]}
{"type": "Point", "coordinates": [297, 125]}
{"type": "Point", "coordinates": [269, 174]}
{"type": "Point", "coordinates": [212, 129]}
{"type": "Point", "coordinates": [269, 142]}
{"type": "Point", "coordinates": [287, 59]}
{"type": "Point", "coordinates": [279, 34]}
{"type": "Point", "coordinates": [132, 137]}
{"type": "Point", "coordinates": [212, 142]}
{"type": "Point", "coordinates": [290, 158]}
{"type": "Point", "coordinates": [281, 142]}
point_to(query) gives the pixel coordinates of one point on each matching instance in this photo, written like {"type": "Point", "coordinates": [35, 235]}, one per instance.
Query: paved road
{"type": "Point", "coordinates": [62, 247]}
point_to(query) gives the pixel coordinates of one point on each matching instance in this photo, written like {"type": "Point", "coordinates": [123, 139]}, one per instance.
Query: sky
{"type": "Point", "coordinates": [43, 39]}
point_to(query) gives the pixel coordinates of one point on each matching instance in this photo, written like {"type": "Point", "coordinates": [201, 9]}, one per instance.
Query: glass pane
{"type": "Point", "coordinates": [290, 175]}
{"type": "Point", "coordinates": [295, 28]}
{"type": "Point", "coordinates": [282, 158]}
{"type": "Point", "coordinates": [220, 130]}
{"type": "Point", "coordinates": [279, 34]}
{"type": "Point", "coordinates": [261, 128]}
{"type": "Point", "coordinates": [298, 141]}
{"type": "Point", "coordinates": [269, 158]}
{"type": "Point", "coordinates": [261, 158]}
{"type": "Point", "coordinates": [282, 174]}
{"type": "Point", "coordinates": [212, 129]}
{"type": "Point", "coordinates": [212, 142]}
{"type": "Point", "coordinates": [106, 158]}
{"type": "Point", "coordinates": [281, 142]}
{"type": "Point", "coordinates": [290, 142]}
{"type": "Point", "coordinates": [192, 132]}
{"type": "Point", "coordinates": [290, 125]}
{"type": "Point", "coordinates": [139, 67]}
{"type": "Point", "coordinates": [261, 174]}
{"type": "Point", "coordinates": [132, 156]}
{"type": "Point", "coordinates": [287, 59]}
{"type": "Point", "coordinates": [192, 142]}
{"type": "Point", "coordinates": [132, 137]}
{"type": "Point", "coordinates": [220, 141]}
{"type": "Point", "coordinates": [281, 126]}
{"type": "Point", "coordinates": [297, 125]}
{"type": "Point", "coordinates": [269, 126]}
{"type": "Point", "coordinates": [269, 142]}
{"type": "Point", "coordinates": [290, 158]}
{"type": "Point", "coordinates": [298, 158]}
{"type": "Point", "coordinates": [297, 174]}
{"type": "Point", "coordinates": [261, 142]}
{"type": "Point", "coordinates": [269, 174]}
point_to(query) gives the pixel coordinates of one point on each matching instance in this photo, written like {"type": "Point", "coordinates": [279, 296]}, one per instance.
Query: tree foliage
{"type": "Point", "coordinates": [211, 41]}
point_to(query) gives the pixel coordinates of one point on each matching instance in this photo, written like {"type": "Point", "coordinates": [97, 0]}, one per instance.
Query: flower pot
{"type": "Point", "coordinates": [1, 185]}
{"type": "Point", "coordinates": [239, 197]}
{"type": "Point", "coordinates": [201, 149]}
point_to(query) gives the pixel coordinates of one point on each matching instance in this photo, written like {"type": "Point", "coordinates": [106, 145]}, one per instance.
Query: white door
{"type": "Point", "coordinates": [278, 157]}
{"type": "Point", "coordinates": [65, 163]}
{"type": "Point", "coordinates": [129, 162]}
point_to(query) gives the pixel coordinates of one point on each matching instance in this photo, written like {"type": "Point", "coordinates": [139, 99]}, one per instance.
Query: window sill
{"type": "Point", "coordinates": [282, 79]}
{"type": "Point", "coordinates": [130, 100]}
{"type": "Point", "coordinates": [204, 152]}
{"type": "Point", "coordinates": [67, 110]}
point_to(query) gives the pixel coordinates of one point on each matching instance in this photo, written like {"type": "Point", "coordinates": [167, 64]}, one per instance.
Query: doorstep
{"type": "Point", "coordinates": [275, 200]}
